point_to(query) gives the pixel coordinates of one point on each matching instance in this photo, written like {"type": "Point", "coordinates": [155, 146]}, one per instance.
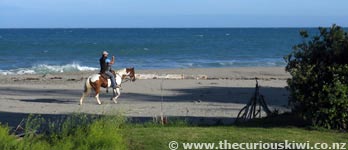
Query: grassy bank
{"type": "Point", "coordinates": [83, 132]}
{"type": "Point", "coordinates": [159, 137]}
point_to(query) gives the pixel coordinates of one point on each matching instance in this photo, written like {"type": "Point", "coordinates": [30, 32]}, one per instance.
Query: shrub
{"type": "Point", "coordinates": [84, 132]}
{"type": "Point", "coordinates": [77, 131]}
{"type": "Point", "coordinates": [7, 141]}
{"type": "Point", "coordinates": [319, 83]}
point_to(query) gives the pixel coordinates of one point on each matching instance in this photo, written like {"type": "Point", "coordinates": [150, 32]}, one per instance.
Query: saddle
{"type": "Point", "coordinates": [105, 76]}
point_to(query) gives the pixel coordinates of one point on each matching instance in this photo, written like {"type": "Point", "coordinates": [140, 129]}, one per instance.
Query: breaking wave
{"type": "Point", "coordinates": [44, 68]}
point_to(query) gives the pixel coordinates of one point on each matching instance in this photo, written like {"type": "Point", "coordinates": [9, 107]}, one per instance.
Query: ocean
{"type": "Point", "coordinates": [39, 51]}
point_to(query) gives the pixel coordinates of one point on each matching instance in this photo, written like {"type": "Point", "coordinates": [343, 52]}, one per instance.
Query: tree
{"type": "Point", "coordinates": [319, 84]}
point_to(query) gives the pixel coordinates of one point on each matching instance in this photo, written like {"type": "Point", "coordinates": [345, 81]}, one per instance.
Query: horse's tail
{"type": "Point", "coordinates": [88, 84]}
{"type": "Point", "coordinates": [85, 88]}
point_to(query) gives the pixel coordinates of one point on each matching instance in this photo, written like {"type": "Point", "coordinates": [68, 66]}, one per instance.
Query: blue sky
{"type": "Point", "coordinates": [171, 13]}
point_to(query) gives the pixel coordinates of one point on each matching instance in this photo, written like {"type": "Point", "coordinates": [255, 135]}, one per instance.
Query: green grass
{"type": "Point", "coordinates": [159, 137]}
{"type": "Point", "coordinates": [112, 132]}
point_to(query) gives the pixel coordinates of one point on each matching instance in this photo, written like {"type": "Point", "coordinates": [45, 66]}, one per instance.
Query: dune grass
{"type": "Point", "coordinates": [113, 132]}
{"type": "Point", "coordinates": [79, 131]}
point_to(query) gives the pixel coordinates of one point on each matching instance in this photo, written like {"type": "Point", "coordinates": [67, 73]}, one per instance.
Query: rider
{"type": "Point", "coordinates": [105, 67]}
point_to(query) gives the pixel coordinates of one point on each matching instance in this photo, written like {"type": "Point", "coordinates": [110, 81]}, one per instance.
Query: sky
{"type": "Point", "coordinates": [171, 13]}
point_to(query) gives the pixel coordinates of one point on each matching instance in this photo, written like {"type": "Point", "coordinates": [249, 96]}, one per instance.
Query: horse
{"type": "Point", "coordinates": [96, 81]}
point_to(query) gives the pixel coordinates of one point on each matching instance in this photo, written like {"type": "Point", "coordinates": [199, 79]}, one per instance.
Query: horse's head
{"type": "Point", "coordinates": [131, 73]}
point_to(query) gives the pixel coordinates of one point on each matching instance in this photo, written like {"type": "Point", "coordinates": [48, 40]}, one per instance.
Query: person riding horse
{"type": "Point", "coordinates": [105, 68]}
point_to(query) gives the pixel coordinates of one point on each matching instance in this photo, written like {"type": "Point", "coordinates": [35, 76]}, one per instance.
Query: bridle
{"type": "Point", "coordinates": [126, 79]}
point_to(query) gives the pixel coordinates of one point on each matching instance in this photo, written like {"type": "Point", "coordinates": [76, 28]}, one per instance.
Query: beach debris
{"type": "Point", "coordinates": [20, 131]}
{"type": "Point", "coordinates": [74, 79]}
{"type": "Point", "coordinates": [255, 106]}
{"type": "Point", "coordinates": [156, 76]}
{"type": "Point", "coordinates": [197, 101]}
{"type": "Point", "coordinates": [171, 76]}
{"type": "Point", "coordinates": [56, 78]}
{"type": "Point", "coordinates": [32, 78]}
{"type": "Point", "coordinates": [50, 76]}
{"type": "Point", "coordinates": [14, 79]}
{"type": "Point", "coordinates": [163, 120]}
{"type": "Point", "coordinates": [145, 76]}
{"type": "Point", "coordinates": [204, 77]}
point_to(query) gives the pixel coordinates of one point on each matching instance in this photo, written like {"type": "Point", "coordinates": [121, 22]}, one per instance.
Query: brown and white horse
{"type": "Point", "coordinates": [96, 81]}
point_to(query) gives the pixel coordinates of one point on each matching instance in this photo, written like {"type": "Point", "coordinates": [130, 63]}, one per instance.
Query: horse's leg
{"type": "Point", "coordinates": [83, 95]}
{"type": "Point", "coordinates": [97, 91]}
{"type": "Point", "coordinates": [113, 93]}
{"type": "Point", "coordinates": [97, 97]}
{"type": "Point", "coordinates": [117, 90]}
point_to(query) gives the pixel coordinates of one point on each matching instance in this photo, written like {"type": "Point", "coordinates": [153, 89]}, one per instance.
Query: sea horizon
{"type": "Point", "coordinates": [193, 27]}
{"type": "Point", "coordinates": [50, 50]}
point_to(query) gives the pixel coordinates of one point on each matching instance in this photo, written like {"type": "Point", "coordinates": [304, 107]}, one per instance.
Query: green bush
{"type": "Point", "coordinates": [79, 131]}
{"type": "Point", "coordinates": [87, 132]}
{"type": "Point", "coordinates": [7, 141]}
{"type": "Point", "coordinates": [319, 83]}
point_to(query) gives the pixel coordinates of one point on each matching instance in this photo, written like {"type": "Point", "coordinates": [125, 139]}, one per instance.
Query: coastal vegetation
{"type": "Point", "coordinates": [78, 131]}
{"type": "Point", "coordinates": [319, 83]}
{"type": "Point", "coordinates": [81, 131]}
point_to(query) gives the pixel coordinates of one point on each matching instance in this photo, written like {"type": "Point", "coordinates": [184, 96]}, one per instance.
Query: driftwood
{"type": "Point", "coordinates": [21, 131]}
{"type": "Point", "coordinates": [253, 109]}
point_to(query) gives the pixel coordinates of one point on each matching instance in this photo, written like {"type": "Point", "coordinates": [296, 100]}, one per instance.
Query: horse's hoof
{"type": "Point", "coordinates": [115, 100]}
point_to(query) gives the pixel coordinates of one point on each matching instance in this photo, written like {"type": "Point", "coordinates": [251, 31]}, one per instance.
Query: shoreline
{"type": "Point", "coordinates": [227, 73]}
{"type": "Point", "coordinates": [236, 73]}
{"type": "Point", "coordinates": [202, 93]}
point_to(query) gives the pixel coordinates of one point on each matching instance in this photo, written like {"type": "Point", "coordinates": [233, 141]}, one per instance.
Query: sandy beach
{"type": "Point", "coordinates": [198, 93]}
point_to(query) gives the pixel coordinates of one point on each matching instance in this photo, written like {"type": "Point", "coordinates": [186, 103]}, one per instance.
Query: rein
{"type": "Point", "coordinates": [125, 79]}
